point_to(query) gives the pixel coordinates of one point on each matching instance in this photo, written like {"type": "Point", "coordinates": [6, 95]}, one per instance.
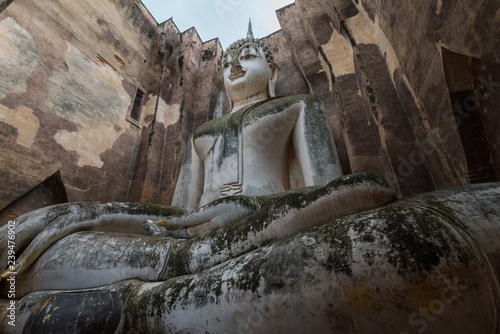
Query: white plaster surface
{"type": "Point", "coordinates": [23, 119]}
{"type": "Point", "coordinates": [98, 107]}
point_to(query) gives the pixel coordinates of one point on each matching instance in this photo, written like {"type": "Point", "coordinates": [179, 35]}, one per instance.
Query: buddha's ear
{"type": "Point", "coordinates": [230, 101]}
{"type": "Point", "coordinates": [271, 87]}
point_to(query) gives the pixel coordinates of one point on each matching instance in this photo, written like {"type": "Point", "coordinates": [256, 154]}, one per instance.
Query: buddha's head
{"type": "Point", "coordinates": [249, 71]}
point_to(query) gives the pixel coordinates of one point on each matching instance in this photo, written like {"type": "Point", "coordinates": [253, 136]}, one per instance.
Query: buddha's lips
{"type": "Point", "coordinates": [238, 74]}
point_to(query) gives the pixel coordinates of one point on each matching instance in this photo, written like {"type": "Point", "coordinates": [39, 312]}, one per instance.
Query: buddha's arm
{"type": "Point", "coordinates": [189, 187]}
{"type": "Point", "coordinates": [274, 217]}
{"type": "Point", "coordinates": [314, 145]}
{"type": "Point", "coordinates": [39, 229]}
{"type": "Point", "coordinates": [218, 213]}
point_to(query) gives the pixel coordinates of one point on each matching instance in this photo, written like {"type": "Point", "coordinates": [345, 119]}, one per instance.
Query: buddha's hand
{"type": "Point", "coordinates": [218, 213]}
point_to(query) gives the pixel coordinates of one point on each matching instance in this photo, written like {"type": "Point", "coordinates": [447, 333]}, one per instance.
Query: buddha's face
{"type": "Point", "coordinates": [246, 72]}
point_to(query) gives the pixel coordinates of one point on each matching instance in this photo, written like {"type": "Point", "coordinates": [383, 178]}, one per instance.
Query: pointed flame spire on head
{"type": "Point", "coordinates": [250, 32]}
{"type": "Point", "coordinates": [235, 47]}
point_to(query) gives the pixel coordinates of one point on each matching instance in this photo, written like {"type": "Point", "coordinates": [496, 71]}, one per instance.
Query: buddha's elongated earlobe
{"type": "Point", "coordinates": [271, 87]}
{"type": "Point", "coordinates": [230, 102]}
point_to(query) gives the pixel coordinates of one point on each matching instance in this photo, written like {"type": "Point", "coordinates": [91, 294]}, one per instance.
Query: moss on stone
{"type": "Point", "coordinates": [178, 261]}
{"type": "Point", "coordinates": [251, 113]}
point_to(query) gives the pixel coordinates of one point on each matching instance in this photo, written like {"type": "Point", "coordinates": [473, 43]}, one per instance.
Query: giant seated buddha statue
{"type": "Point", "coordinates": [264, 235]}
{"type": "Point", "coordinates": [265, 145]}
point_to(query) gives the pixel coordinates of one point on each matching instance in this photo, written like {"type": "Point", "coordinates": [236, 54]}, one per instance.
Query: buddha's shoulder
{"type": "Point", "coordinates": [270, 106]}
{"type": "Point", "coordinates": [212, 127]}
{"type": "Point", "coordinates": [293, 99]}
{"type": "Point", "coordinates": [281, 104]}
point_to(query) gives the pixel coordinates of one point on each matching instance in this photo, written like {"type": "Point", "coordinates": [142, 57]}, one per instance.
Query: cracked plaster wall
{"type": "Point", "coordinates": [378, 67]}
{"type": "Point", "coordinates": [69, 71]}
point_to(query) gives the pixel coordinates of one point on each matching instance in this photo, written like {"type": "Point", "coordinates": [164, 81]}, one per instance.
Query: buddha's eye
{"type": "Point", "coordinates": [247, 56]}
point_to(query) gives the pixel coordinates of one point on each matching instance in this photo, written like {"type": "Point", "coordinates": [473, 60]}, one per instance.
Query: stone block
{"type": "Point", "coordinates": [359, 129]}
{"type": "Point", "coordinates": [397, 144]}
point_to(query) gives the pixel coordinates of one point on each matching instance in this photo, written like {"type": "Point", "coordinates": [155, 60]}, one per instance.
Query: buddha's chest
{"type": "Point", "coordinates": [254, 133]}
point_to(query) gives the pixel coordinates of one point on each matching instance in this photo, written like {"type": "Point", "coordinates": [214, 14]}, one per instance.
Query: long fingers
{"type": "Point", "coordinates": [222, 212]}
{"type": "Point", "coordinates": [191, 231]}
{"type": "Point", "coordinates": [194, 231]}
{"type": "Point", "coordinates": [192, 218]}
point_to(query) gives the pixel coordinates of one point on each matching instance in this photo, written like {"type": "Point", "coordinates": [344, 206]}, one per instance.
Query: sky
{"type": "Point", "coordinates": [226, 19]}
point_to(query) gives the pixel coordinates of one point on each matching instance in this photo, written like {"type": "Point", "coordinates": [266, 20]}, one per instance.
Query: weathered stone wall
{"type": "Point", "coordinates": [190, 83]}
{"type": "Point", "coordinates": [68, 78]}
{"type": "Point", "coordinates": [378, 66]}
{"type": "Point", "coordinates": [69, 73]}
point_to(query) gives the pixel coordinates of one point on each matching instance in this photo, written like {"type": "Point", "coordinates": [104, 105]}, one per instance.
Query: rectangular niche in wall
{"type": "Point", "coordinates": [135, 113]}
{"type": "Point", "coordinates": [474, 90]}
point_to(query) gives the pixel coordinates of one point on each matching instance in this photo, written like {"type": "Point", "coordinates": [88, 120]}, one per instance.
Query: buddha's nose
{"type": "Point", "coordinates": [235, 66]}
